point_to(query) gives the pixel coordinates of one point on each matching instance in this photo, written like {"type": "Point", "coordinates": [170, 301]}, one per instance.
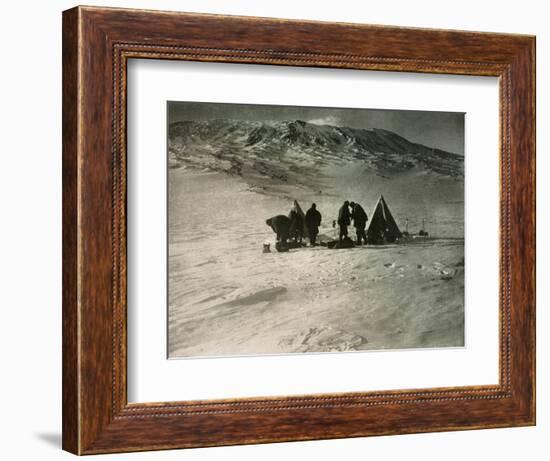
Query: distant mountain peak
{"type": "Point", "coordinates": [290, 149]}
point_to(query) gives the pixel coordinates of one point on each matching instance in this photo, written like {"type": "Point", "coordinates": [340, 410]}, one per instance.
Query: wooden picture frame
{"type": "Point", "coordinates": [97, 44]}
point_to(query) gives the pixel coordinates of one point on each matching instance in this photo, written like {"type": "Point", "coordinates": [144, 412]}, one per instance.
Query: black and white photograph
{"type": "Point", "coordinates": [313, 230]}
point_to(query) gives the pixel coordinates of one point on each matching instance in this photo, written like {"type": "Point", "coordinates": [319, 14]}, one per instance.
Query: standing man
{"type": "Point", "coordinates": [313, 221]}
{"type": "Point", "coordinates": [344, 220]}
{"type": "Point", "coordinates": [360, 219]}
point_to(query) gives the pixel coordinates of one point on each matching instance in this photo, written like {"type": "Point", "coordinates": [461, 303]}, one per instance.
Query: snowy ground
{"type": "Point", "coordinates": [228, 298]}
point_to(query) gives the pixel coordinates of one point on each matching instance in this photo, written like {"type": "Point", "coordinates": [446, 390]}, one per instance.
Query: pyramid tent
{"type": "Point", "coordinates": [382, 227]}
{"type": "Point", "coordinates": [296, 207]}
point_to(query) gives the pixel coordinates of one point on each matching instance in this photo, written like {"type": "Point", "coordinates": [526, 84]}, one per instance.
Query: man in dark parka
{"type": "Point", "coordinates": [360, 219]}
{"type": "Point", "coordinates": [313, 221]}
{"type": "Point", "coordinates": [344, 220]}
{"type": "Point", "coordinates": [281, 226]}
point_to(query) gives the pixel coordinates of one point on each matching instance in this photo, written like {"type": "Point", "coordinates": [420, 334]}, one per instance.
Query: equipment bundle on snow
{"type": "Point", "coordinates": [382, 228]}
{"type": "Point", "coordinates": [346, 242]}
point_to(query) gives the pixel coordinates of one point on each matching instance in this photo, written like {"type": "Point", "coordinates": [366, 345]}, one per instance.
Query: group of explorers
{"type": "Point", "coordinates": [294, 226]}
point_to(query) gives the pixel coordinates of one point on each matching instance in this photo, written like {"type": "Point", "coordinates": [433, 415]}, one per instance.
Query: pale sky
{"type": "Point", "coordinates": [443, 130]}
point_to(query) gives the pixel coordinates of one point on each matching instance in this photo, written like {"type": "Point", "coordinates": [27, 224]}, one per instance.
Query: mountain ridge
{"type": "Point", "coordinates": [294, 150]}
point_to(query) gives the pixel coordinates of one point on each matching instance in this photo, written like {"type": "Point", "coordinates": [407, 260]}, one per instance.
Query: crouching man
{"type": "Point", "coordinates": [280, 224]}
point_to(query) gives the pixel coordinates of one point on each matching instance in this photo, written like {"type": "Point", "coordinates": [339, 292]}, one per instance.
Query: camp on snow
{"type": "Point", "coordinates": [382, 228]}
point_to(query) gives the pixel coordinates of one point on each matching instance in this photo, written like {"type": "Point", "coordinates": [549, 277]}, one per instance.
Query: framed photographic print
{"type": "Point", "coordinates": [284, 230]}
{"type": "Point", "coordinates": [231, 166]}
